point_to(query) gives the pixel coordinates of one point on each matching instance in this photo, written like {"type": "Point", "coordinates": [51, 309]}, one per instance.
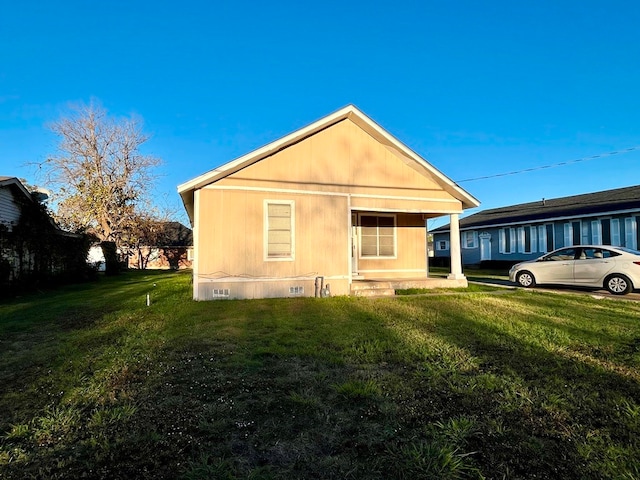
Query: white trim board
{"type": "Point", "coordinates": [545, 220]}
{"type": "Point", "coordinates": [270, 280]}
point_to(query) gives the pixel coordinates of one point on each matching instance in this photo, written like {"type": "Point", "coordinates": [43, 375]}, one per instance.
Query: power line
{"type": "Point", "coordinates": [542, 167]}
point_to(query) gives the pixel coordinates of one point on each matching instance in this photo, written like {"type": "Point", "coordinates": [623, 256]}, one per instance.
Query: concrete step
{"type": "Point", "coordinates": [372, 289]}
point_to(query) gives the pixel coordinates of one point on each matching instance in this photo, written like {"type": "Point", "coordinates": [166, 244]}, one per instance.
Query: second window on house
{"type": "Point", "coordinates": [378, 236]}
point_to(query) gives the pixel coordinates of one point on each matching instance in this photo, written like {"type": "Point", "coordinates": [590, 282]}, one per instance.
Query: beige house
{"type": "Point", "coordinates": [339, 202]}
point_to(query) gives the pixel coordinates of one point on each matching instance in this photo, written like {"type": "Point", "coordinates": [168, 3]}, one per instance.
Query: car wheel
{"type": "Point", "coordinates": [618, 284]}
{"type": "Point", "coordinates": [526, 279]}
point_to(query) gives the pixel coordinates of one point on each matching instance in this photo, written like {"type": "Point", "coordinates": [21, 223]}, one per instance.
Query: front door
{"type": "Point", "coordinates": [485, 246]}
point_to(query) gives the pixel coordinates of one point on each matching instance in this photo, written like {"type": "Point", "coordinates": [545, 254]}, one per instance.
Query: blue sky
{"type": "Point", "coordinates": [476, 88]}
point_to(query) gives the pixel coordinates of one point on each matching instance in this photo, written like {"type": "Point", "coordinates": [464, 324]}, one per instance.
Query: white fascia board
{"type": "Point", "coordinates": [547, 220]}
{"type": "Point", "coordinates": [14, 181]}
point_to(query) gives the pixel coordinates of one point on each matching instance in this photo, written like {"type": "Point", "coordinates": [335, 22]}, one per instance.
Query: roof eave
{"type": "Point", "coordinates": [8, 181]}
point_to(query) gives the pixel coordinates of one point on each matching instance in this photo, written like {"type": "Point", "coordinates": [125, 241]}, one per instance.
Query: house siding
{"type": "Point", "coordinates": [9, 210]}
{"type": "Point", "coordinates": [332, 176]}
{"type": "Point", "coordinates": [344, 159]}
{"type": "Point", "coordinates": [581, 232]}
{"type": "Point", "coordinates": [235, 258]}
{"type": "Point", "coordinates": [339, 171]}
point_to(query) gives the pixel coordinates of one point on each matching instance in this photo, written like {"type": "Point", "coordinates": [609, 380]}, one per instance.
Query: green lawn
{"type": "Point", "coordinates": [95, 384]}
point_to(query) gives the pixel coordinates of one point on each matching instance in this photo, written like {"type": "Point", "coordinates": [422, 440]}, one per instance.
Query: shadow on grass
{"type": "Point", "coordinates": [437, 387]}
{"type": "Point", "coordinates": [551, 407]}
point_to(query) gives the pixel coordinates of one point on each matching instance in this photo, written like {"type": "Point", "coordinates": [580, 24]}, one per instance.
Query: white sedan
{"type": "Point", "coordinates": [600, 266]}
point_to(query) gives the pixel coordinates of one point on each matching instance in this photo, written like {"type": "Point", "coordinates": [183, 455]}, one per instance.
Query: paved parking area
{"type": "Point", "coordinates": [634, 296]}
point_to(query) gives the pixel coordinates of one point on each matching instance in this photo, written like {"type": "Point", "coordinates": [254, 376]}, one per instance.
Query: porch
{"type": "Point", "coordinates": [388, 286]}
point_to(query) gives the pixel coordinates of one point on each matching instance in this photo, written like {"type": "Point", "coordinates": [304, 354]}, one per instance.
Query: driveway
{"type": "Point", "coordinates": [601, 293]}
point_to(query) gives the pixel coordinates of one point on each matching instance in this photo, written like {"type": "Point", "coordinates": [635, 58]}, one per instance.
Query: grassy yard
{"type": "Point", "coordinates": [95, 384]}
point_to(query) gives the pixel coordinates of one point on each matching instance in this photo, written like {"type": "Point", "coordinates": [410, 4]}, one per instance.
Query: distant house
{"type": "Point", "coordinates": [526, 231]}
{"type": "Point", "coordinates": [33, 249]}
{"type": "Point", "coordinates": [12, 194]}
{"type": "Point", "coordinates": [339, 202]}
{"type": "Point", "coordinates": [173, 249]}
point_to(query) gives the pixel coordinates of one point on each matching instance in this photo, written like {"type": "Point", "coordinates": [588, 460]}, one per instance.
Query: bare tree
{"type": "Point", "coordinates": [99, 172]}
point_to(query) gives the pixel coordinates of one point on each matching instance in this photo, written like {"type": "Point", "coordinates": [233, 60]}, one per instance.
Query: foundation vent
{"type": "Point", "coordinates": [220, 293]}
{"type": "Point", "coordinates": [296, 290]}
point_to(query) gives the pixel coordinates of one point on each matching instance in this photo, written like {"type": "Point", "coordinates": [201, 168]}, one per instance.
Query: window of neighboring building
{"type": "Point", "coordinates": [378, 236]}
{"type": "Point", "coordinates": [596, 232]}
{"type": "Point", "coordinates": [545, 238]}
{"type": "Point", "coordinates": [630, 233]}
{"type": "Point", "coordinates": [542, 238]}
{"type": "Point", "coordinates": [606, 231]}
{"type": "Point", "coordinates": [279, 230]}
{"type": "Point", "coordinates": [507, 240]}
{"type": "Point", "coordinates": [442, 245]}
{"type": "Point", "coordinates": [568, 234]}
{"type": "Point", "coordinates": [615, 232]}
{"type": "Point", "coordinates": [573, 233]}
{"type": "Point", "coordinates": [585, 238]}
{"type": "Point", "coordinates": [469, 240]}
{"type": "Point", "coordinates": [527, 239]}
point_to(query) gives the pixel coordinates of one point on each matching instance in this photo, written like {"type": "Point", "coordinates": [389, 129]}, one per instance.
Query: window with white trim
{"type": "Point", "coordinates": [469, 239]}
{"type": "Point", "coordinates": [507, 240]}
{"type": "Point", "coordinates": [550, 238]}
{"type": "Point", "coordinates": [596, 232]}
{"type": "Point", "coordinates": [279, 230]}
{"type": "Point", "coordinates": [530, 239]}
{"type": "Point", "coordinates": [520, 237]}
{"type": "Point", "coordinates": [615, 232]}
{"type": "Point", "coordinates": [568, 234]}
{"type": "Point", "coordinates": [630, 233]}
{"type": "Point", "coordinates": [545, 238]}
{"type": "Point", "coordinates": [527, 239]}
{"type": "Point", "coordinates": [442, 245]}
{"type": "Point", "coordinates": [378, 236]}
{"type": "Point", "coordinates": [585, 233]}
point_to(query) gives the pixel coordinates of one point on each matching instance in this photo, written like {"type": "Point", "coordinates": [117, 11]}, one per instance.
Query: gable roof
{"type": "Point", "coordinates": [186, 190]}
{"type": "Point", "coordinates": [618, 199]}
{"type": "Point", "coordinates": [175, 234]}
{"type": "Point", "coordinates": [17, 184]}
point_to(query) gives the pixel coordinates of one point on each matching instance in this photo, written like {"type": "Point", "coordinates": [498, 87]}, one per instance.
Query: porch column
{"type": "Point", "coordinates": [454, 248]}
